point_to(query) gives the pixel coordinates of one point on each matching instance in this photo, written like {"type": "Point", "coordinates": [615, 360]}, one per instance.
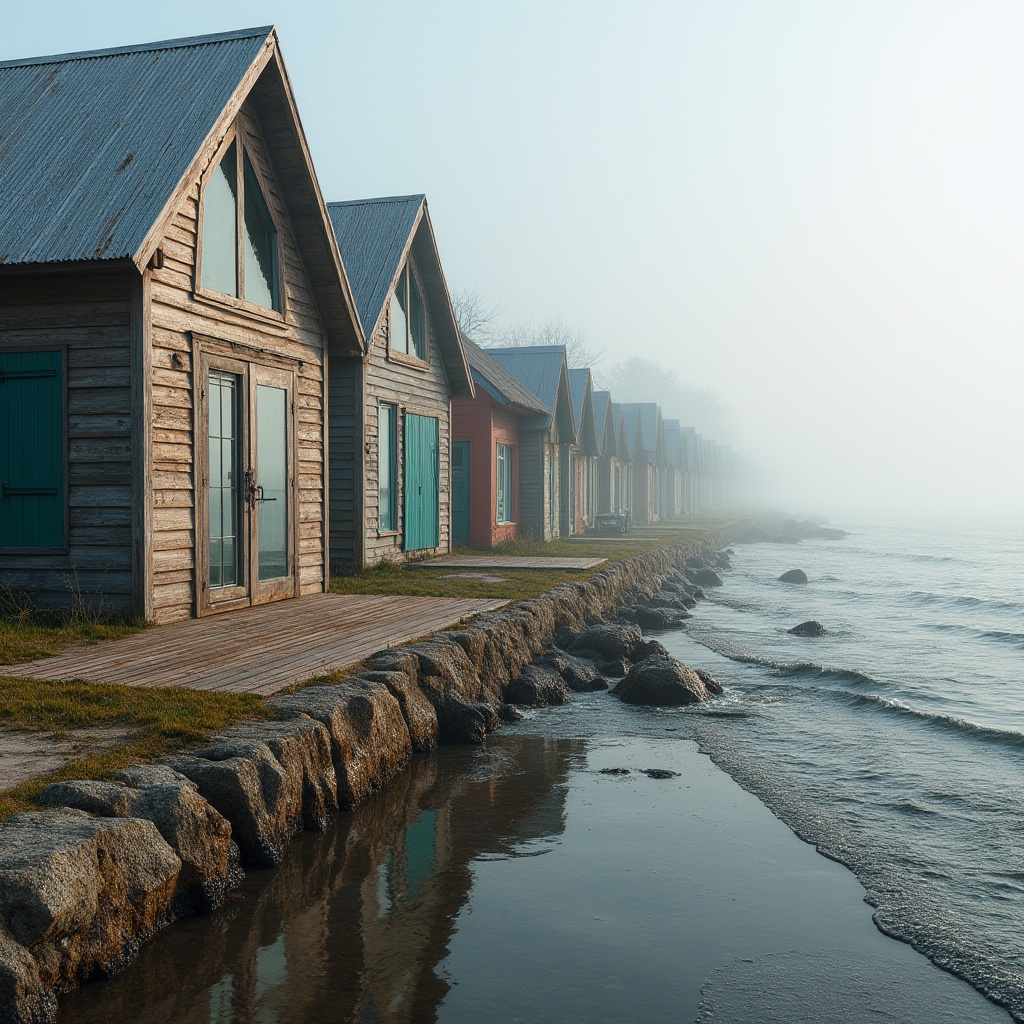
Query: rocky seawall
{"type": "Point", "coordinates": [87, 880]}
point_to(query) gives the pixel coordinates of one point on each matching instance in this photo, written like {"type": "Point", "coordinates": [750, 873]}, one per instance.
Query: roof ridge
{"type": "Point", "coordinates": [164, 44]}
{"type": "Point", "coordinates": [379, 199]}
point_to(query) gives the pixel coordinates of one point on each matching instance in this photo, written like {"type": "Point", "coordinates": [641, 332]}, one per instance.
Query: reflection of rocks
{"type": "Point", "coordinates": [358, 918]}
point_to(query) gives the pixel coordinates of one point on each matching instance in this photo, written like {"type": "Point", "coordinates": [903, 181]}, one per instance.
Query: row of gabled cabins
{"type": "Point", "coordinates": [216, 388]}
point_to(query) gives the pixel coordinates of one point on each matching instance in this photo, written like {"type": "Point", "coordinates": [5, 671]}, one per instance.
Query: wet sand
{"type": "Point", "coordinates": [518, 883]}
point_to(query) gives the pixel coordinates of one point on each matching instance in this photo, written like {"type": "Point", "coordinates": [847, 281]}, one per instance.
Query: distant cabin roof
{"type": "Point", "coordinates": [647, 412]}
{"type": "Point", "coordinates": [375, 236]}
{"type": "Point", "coordinates": [605, 421]}
{"type": "Point", "coordinates": [630, 421]}
{"type": "Point", "coordinates": [673, 443]}
{"type": "Point", "coordinates": [578, 389]}
{"type": "Point", "coordinates": [541, 370]}
{"type": "Point", "coordinates": [498, 382]}
{"type": "Point", "coordinates": [92, 145]}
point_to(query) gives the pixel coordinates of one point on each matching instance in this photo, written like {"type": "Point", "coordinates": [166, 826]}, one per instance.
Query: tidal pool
{"type": "Point", "coordinates": [519, 883]}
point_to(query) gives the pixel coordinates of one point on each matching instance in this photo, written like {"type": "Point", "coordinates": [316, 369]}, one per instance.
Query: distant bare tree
{"type": "Point", "coordinates": [473, 315]}
{"type": "Point", "coordinates": [644, 380]}
{"type": "Point", "coordinates": [549, 332]}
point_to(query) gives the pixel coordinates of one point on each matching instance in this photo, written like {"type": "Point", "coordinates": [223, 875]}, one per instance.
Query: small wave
{"type": "Point", "coordinates": [998, 636]}
{"type": "Point", "coordinates": [927, 597]}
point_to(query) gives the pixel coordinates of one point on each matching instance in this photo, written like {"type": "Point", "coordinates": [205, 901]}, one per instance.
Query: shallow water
{"type": "Point", "coordinates": [520, 883]}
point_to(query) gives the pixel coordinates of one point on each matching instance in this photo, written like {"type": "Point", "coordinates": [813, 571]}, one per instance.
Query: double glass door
{"type": "Point", "coordinates": [249, 506]}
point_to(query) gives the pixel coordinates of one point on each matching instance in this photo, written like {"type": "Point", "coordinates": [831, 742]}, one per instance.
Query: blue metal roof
{"type": "Point", "coordinates": [630, 417]}
{"type": "Point", "coordinates": [372, 236]}
{"type": "Point", "coordinates": [602, 414]}
{"type": "Point", "coordinates": [539, 368]}
{"type": "Point", "coordinates": [498, 382]}
{"type": "Point", "coordinates": [673, 443]}
{"type": "Point", "coordinates": [93, 144]}
{"type": "Point", "coordinates": [578, 389]}
{"type": "Point", "coordinates": [648, 415]}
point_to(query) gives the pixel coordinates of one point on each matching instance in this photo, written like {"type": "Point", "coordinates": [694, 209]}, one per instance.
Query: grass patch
{"type": "Point", "coordinates": [28, 633]}
{"type": "Point", "coordinates": [155, 722]}
{"type": "Point", "coordinates": [398, 578]}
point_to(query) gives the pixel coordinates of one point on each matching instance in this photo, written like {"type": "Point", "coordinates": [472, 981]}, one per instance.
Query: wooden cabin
{"type": "Point", "coordinates": [675, 466]}
{"type": "Point", "coordinates": [610, 465]}
{"type": "Point", "coordinates": [689, 436]}
{"type": "Point", "coordinates": [545, 498]}
{"type": "Point", "coordinates": [165, 319]}
{"type": "Point", "coordinates": [631, 445]}
{"type": "Point", "coordinates": [583, 455]}
{"type": "Point", "coordinates": [648, 453]}
{"type": "Point", "coordinates": [390, 411]}
{"type": "Point", "coordinates": [486, 452]}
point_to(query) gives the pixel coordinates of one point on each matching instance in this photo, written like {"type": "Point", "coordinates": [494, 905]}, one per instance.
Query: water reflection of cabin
{"type": "Point", "coordinates": [169, 289]}
{"type": "Point", "coordinates": [486, 452]}
{"type": "Point", "coordinates": [545, 472]}
{"type": "Point", "coordinates": [390, 412]}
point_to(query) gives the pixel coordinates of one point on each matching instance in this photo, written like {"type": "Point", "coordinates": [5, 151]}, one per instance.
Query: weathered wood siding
{"type": "Point", "coordinates": [89, 318]}
{"type": "Point", "coordinates": [533, 485]}
{"type": "Point", "coordinates": [344, 385]}
{"type": "Point", "coordinates": [416, 387]}
{"type": "Point", "coordinates": [178, 314]}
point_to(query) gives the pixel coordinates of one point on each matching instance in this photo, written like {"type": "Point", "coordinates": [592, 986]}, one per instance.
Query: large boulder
{"type": "Point", "coordinates": [712, 684]}
{"type": "Point", "coordinates": [662, 681]}
{"type": "Point", "coordinates": [809, 628]}
{"type": "Point", "coordinates": [247, 784]}
{"type": "Point", "coordinates": [198, 834]}
{"type": "Point", "coordinates": [369, 734]}
{"type": "Point", "coordinates": [467, 721]}
{"type": "Point", "coordinates": [537, 686]}
{"type": "Point", "coordinates": [24, 999]}
{"type": "Point", "coordinates": [580, 675]}
{"type": "Point", "coordinates": [706, 578]}
{"type": "Point", "coordinates": [420, 716]}
{"type": "Point", "coordinates": [793, 576]}
{"type": "Point", "coordinates": [660, 618]}
{"type": "Point", "coordinates": [609, 640]}
{"type": "Point", "coordinates": [81, 893]}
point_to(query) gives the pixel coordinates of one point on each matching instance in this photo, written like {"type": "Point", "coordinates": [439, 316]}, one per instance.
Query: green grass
{"type": "Point", "coordinates": [154, 721]}
{"type": "Point", "coordinates": [397, 578]}
{"type": "Point", "coordinates": [28, 633]}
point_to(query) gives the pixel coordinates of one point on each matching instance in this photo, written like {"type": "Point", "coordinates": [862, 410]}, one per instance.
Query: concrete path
{"type": "Point", "coordinates": [258, 650]}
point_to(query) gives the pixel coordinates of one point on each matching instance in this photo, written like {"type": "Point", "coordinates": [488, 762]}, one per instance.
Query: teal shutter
{"type": "Point", "coordinates": [421, 477]}
{"type": "Point", "coordinates": [31, 450]}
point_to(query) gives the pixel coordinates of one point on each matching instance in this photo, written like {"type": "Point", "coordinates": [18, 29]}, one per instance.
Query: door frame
{"type": "Point", "coordinates": [467, 489]}
{"type": "Point", "coordinates": [209, 354]}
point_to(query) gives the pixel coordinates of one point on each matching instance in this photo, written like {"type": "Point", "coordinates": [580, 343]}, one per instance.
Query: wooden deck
{"type": "Point", "coordinates": [258, 650]}
{"type": "Point", "coordinates": [505, 562]}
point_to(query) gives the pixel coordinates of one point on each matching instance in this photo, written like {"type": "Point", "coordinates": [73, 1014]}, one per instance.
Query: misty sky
{"type": "Point", "coordinates": [814, 208]}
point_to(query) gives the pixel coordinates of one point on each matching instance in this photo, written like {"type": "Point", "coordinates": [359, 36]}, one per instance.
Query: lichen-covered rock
{"type": "Point", "coordinates": [660, 618]}
{"type": "Point", "coordinates": [24, 999]}
{"type": "Point", "coordinates": [198, 834]}
{"type": "Point", "coordinates": [809, 628]}
{"type": "Point", "coordinates": [662, 681]}
{"type": "Point", "coordinates": [81, 893]}
{"type": "Point", "coordinates": [537, 686]}
{"type": "Point", "coordinates": [302, 746]}
{"type": "Point", "coordinates": [609, 640]}
{"type": "Point", "coordinates": [420, 716]}
{"type": "Point", "coordinates": [246, 783]}
{"type": "Point", "coordinates": [369, 737]}
{"type": "Point", "coordinates": [466, 722]}
{"type": "Point", "coordinates": [580, 675]}
{"type": "Point", "coordinates": [706, 578]}
{"type": "Point", "coordinates": [649, 647]}
{"type": "Point", "coordinates": [713, 685]}
{"type": "Point", "coordinates": [793, 576]}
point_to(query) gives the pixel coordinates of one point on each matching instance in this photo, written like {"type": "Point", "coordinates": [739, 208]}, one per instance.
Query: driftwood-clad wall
{"type": "Point", "coordinates": [181, 323]}
{"type": "Point", "coordinates": [87, 317]}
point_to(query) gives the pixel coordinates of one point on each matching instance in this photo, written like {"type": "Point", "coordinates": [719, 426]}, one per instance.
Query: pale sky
{"type": "Point", "coordinates": [814, 208]}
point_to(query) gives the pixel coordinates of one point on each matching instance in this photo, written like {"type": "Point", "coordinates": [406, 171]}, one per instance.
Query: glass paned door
{"type": "Point", "coordinates": [272, 490]}
{"type": "Point", "coordinates": [249, 481]}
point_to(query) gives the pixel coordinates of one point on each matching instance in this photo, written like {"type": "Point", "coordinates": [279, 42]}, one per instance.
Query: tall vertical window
{"type": "Point", "coordinates": [504, 483]}
{"type": "Point", "coordinates": [225, 483]}
{"type": "Point", "coordinates": [387, 468]}
{"type": "Point", "coordinates": [239, 247]}
{"type": "Point", "coordinates": [31, 450]}
{"type": "Point", "coordinates": [408, 317]}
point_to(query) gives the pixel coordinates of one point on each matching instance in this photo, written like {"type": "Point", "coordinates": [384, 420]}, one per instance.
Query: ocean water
{"type": "Point", "coordinates": [895, 743]}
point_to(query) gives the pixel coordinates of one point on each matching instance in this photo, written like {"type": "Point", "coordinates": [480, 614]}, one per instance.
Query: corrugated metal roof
{"type": "Point", "coordinates": [630, 415]}
{"type": "Point", "coordinates": [602, 414]}
{"type": "Point", "coordinates": [372, 235]}
{"type": "Point", "coordinates": [498, 382]}
{"type": "Point", "coordinates": [93, 144]}
{"type": "Point", "coordinates": [539, 368]}
{"type": "Point", "coordinates": [578, 389]}
{"type": "Point", "coordinates": [648, 414]}
{"type": "Point", "coordinates": [673, 443]}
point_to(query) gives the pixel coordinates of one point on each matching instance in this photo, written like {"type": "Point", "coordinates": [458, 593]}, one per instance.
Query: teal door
{"type": "Point", "coordinates": [421, 482]}
{"type": "Point", "coordinates": [460, 494]}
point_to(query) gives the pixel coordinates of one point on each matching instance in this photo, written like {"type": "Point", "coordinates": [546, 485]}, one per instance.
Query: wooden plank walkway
{"type": "Point", "coordinates": [505, 562]}
{"type": "Point", "coordinates": [258, 650]}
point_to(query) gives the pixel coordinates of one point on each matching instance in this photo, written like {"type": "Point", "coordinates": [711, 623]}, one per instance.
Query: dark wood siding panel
{"type": "Point", "coordinates": [88, 317]}
{"type": "Point", "coordinates": [179, 314]}
{"type": "Point", "coordinates": [532, 484]}
{"type": "Point", "coordinates": [344, 450]}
